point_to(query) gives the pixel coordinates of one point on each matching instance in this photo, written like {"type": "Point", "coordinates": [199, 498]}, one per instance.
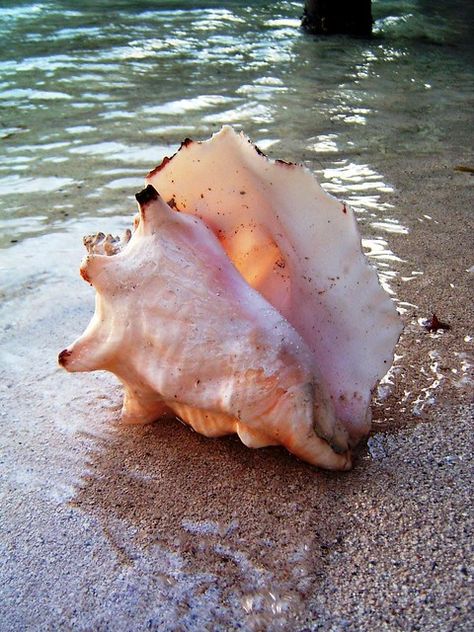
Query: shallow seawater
{"type": "Point", "coordinates": [93, 95]}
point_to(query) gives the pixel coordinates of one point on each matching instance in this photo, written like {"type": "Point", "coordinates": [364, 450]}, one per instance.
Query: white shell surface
{"type": "Point", "coordinates": [183, 331]}
{"type": "Point", "coordinates": [300, 248]}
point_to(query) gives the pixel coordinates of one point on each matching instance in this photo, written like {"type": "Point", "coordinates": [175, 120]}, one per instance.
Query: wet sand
{"type": "Point", "coordinates": [106, 527]}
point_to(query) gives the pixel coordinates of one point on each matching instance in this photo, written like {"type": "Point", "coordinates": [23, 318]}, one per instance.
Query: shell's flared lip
{"type": "Point", "coordinates": [185, 143]}
{"type": "Point", "coordinates": [315, 235]}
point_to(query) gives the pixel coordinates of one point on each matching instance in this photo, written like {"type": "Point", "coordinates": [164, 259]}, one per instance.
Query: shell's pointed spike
{"type": "Point", "coordinates": [146, 195]}
{"type": "Point", "coordinates": [153, 209]}
{"type": "Point", "coordinates": [83, 354]}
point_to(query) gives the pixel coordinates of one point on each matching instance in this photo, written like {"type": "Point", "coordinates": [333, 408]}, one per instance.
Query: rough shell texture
{"type": "Point", "coordinates": [243, 304]}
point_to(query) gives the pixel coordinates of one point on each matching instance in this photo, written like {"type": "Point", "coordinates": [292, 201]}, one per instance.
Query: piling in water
{"type": "Point", "coordinates": [327, 17]}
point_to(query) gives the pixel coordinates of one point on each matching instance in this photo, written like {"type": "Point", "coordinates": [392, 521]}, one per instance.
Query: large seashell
{"type": "Point", "coordinates": [283, 345]}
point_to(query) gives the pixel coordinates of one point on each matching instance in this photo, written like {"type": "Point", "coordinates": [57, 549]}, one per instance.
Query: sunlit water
{"type": "Point", "coordinates": [92, 95]}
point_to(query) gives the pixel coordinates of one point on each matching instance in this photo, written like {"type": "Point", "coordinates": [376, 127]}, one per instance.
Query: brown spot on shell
{"type": "Point", "coordinates": [172, 204]}
{"type": "Point", "coordinates": [63, 356]}
{"type": "Point", "coordinates": [84, 275]}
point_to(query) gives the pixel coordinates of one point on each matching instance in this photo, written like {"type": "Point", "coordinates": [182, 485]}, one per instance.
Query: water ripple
{"type": "Point", "coordinates": [85, 91]}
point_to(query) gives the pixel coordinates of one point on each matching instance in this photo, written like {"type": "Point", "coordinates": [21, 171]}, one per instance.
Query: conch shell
{"type": "Point", "coordinates": [242, 302]}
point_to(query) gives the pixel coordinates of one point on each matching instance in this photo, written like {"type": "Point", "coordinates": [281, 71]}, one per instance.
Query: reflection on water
{"type": "Point", "coordinates": [383, 259]}
{"type": "Point", "coordinates": [84, 91]}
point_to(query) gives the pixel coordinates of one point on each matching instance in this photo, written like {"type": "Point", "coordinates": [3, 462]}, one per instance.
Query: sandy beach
{"type": "Point", "coordinates": [112, 527]}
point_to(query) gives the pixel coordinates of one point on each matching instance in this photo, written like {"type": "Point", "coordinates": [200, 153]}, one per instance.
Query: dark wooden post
{"type": "Point", "coordinates": [326, 17]}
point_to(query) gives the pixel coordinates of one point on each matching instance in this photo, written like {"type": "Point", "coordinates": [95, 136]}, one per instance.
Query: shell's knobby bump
{"type": "Point", "coordinates": [100, 244]}
{"type": "Point", "coordinates": [83, 271]}
{"type": "Point", "coordinates": [236, 313]}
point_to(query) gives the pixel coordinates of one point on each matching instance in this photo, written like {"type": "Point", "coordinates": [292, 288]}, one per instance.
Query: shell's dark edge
{"type": "Point", "coordinates": [161, 166]}
{"type": "Point", "coordinates": [284, 163]}
{"type": "Point", "coordinates": [146, 195]}
{"type": "Point", "coordinates": [186, 143]}
{"type": "Point", "coordinates": [257, 149]}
